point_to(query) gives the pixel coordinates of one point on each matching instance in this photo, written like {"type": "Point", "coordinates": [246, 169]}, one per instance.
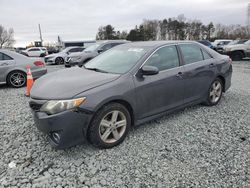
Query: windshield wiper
{"type": "Point", "coordinates": [96, 69]}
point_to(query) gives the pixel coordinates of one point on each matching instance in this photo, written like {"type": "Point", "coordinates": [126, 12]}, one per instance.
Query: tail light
{"type": "Point", "coordinates": [39, 63]}
{"type": "Point", "coordinates": [230, 61]}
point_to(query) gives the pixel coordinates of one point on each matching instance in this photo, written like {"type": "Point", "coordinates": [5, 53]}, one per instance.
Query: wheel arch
{"type": "Point", "coordinates": [221, 77]}
{"type": "Point", "coordinates": [122, 102]}
{"type": "Point", "coordinates": [241, 51]}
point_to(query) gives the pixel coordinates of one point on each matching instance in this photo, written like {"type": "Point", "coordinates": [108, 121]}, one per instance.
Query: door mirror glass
{"type": "Point", "coordinates": [149, 70]}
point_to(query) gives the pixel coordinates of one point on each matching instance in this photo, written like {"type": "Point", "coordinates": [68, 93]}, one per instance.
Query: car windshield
{"type": "Point", "coordinates": [247, 42]}
{"type": "Point", "coordinates": [117, 60]}
{"type": "Point", "coordinates": [65, 50]}
{"type": "Point", "coordinates": [92, 47]}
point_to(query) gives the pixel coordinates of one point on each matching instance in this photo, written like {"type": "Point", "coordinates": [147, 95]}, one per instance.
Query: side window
{"type": "Point", "coordinates": [164, 58]}
{"type": "Point", "coordinates": [106, 47]}
{"type": "Point", "coordinates": [34, 49]}
{"type": "Point", "coordinates": [191, 53]}
{"type": "Point", "coordinates": [4, 57]}
{"type": "Point", "coordinates": [206, 55]}
{"type": "Point", "coordinates": [73, 50]}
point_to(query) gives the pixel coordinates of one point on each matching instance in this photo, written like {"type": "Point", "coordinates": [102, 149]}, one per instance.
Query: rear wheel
{"type": "Point", "coordinates": [215, 92]}
{"type": "Point", "coordinates": [237, 56]}
{"type": "Point", "coordinates": [110, 126]}
{"type": "Point", "coordinates": [16, 79]}
{"type": "Point", "coordinates": [59, 61]}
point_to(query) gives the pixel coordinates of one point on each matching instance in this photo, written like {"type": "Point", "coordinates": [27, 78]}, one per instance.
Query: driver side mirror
{"type": "Point", "coordinates": [149, 70]}
{"type": "Point", "coordinates": [100, 51]}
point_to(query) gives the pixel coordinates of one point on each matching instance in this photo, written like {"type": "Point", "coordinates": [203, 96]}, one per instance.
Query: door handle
{"type": "Point", "coordinates": [211, 65]}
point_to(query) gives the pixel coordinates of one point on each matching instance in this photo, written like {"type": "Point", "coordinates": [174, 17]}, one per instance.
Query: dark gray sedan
{"type": "Point", "coordinates": [125, 86]}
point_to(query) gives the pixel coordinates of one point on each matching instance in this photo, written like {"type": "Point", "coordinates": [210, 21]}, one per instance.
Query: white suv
{"type": "Point", "coordinates": [238, 51]}
{"type": "Point", "coordinates": [35, 52]}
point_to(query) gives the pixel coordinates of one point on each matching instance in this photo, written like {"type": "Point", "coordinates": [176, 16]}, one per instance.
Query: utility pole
{"type": "Point", "coordinates": [41, 38]}
{"type": "Point", "coordinates": [248, 20]}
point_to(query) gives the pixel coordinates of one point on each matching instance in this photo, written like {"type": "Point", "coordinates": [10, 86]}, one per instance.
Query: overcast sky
{"type": "Point", "coordinates": [80, 19]}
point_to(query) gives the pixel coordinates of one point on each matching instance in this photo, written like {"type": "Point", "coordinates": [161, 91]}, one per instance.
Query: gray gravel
{"type": "Point", "coordinates": [195, 147]}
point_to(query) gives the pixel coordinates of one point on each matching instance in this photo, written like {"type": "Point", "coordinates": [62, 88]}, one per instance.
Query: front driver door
{"type": "Point", "coordinates": [163, 91]}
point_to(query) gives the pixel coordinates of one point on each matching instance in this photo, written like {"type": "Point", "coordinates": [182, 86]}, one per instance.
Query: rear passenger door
{"type": "Point", "coordinates": [6, 62]}
{"type": "Point", "coordinates": [199, 70]}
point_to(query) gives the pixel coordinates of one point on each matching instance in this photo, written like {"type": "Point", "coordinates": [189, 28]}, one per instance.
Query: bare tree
{"type": "Point", "coordinates": [6, 37]}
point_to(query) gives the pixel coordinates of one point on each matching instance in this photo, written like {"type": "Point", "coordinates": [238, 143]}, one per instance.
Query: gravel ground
{"type": "Point", "coordinates": [195, 147]}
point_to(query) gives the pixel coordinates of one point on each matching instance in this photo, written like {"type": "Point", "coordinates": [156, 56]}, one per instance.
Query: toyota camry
{"type": "Point", "coordinates": [126, 86]}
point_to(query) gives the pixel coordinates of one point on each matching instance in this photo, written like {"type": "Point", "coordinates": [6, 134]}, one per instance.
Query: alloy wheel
{"type": "Point", "coordinates": [215, 91]}
{"type": "Point", "coordinates": [112, 126]}
{"type": "Point", "coordinates": [17, 79]}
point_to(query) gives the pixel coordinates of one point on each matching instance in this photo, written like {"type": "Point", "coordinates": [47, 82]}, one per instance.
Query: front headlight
{"type": "Point", "coordinates": [56, 106]}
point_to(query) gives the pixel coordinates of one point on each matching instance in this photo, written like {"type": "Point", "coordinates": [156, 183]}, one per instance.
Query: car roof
{"type": "Point", "coordinates": [111, 41]}
{"type": "Point", "coordinates": [155, 44]}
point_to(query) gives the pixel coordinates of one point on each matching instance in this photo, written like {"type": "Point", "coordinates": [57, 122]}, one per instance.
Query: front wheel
{"type": "Point", "coordinates": [59, 61]}
{"type": "Point", "coordinates": [110, 126]}
{"type": "Point", "coordinates": [237, 56]}
{"type": "Point", "coordinates": [215, 92]}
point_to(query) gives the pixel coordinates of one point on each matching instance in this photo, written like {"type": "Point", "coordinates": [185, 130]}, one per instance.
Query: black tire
{"type": "Point", "coordinates": [209, 100]}
{"type": "Point", "coordinates": [237, 56]}
{"type": "Point", "coordinates": [94, 131]}
{"type": "Point", "coordinates": [59, 61]}
{"type": "Point", "coordinates": [10, 79]}
{"type": "Point", "coordinates": [42, 55]}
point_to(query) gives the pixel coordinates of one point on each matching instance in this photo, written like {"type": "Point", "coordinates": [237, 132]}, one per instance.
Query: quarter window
{"type": "Point", "coordinates": [206, 55]}
{"type": "Point", "coordinates": [191, 53]}
{"type": "Point", "coordinates": [164, 58]}
{"type": "Point", "coordinates": [4, 57]}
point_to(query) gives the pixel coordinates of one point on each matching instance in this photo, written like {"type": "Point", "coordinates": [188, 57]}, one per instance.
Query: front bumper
{"type": "Point", "coordinates": [71, 126]}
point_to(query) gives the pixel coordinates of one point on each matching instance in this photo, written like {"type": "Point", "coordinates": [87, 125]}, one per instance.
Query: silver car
{"type": "Point", "coordinates": [58, 58]}
{"type": "Point", "coordinates": [13, 68]}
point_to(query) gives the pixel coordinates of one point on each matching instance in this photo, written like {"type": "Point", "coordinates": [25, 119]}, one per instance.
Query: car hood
{"type": "Point", "coordinates": [61, 54]}
{"type": "Point", "coordinates": [67, 83]}
{"type": "Point", "coordinates": [76, 54]}
{"type": "Point", "coordinates": [82, 54]}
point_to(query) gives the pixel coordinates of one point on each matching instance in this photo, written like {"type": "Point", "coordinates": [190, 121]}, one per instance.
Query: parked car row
{"type": "Point", "coordinates": [236, 49]}
{"type": "Point", "coordinates": [89, 53]}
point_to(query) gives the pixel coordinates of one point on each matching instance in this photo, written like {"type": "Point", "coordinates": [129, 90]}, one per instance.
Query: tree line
{"type": "Point", "coordinates": [179, 28]}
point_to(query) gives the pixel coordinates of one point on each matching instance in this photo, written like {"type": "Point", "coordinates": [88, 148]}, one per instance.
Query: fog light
{"type": "Point", "coordinates": [55, 136]}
